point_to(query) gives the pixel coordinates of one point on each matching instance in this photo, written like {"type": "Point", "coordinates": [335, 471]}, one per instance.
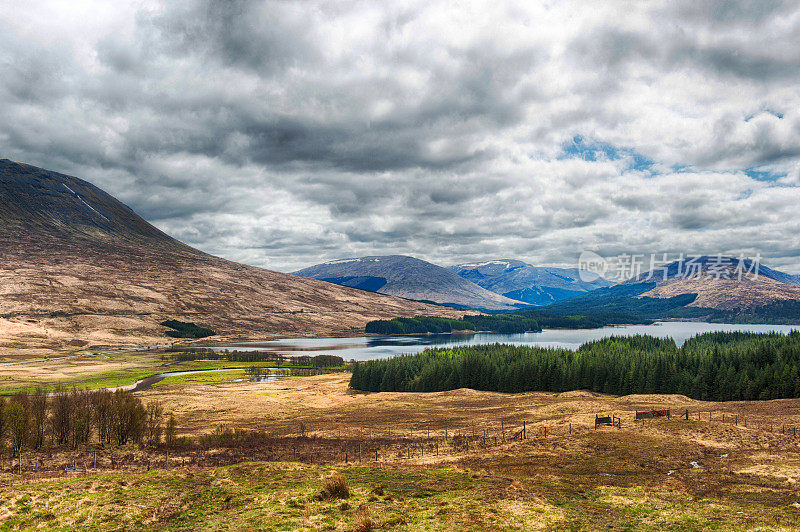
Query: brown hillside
{"type": "Point", "coordinates": [80, 268]}
{"type": "Point", "coordinates": [728, 294]}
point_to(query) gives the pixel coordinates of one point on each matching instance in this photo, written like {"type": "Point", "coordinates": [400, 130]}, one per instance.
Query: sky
{"type": "Point", "coordinates": [286, 133]}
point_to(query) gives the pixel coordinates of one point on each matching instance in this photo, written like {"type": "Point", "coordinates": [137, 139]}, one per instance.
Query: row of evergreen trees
{"type": "Point", "coordinates": [499, 323]}
{"type": "Point", "coordinates": [514, 323]}
{"type": "Point", "coordinates": [193, 353]}
{"type": "Point", "coordinates": [713, 366]}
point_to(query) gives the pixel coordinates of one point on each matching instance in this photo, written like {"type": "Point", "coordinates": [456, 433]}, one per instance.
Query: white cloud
{"type": "Point", "coordinates": [288, 133]}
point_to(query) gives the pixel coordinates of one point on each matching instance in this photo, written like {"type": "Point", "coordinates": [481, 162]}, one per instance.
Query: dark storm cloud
{"type": "Point", "coordinates": [262, 36]}
{"type": "Point", "coordinates": [286, 133]}
{"type": "Point", "coordinates": [731, 12]}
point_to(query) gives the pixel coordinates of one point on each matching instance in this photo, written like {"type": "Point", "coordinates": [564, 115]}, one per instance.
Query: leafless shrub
{"type": "Point", "coordinates": [335, 487]}
{"type": "Point", "coordinates": [364, 522]}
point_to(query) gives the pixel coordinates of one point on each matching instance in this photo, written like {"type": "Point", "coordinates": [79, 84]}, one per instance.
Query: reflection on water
{"type": "Point", "coordinates": [262, 378]}
{"type": "Point", "coordinates": [148, 382]}
{"type": "Point", "coordinates": [373, 347]}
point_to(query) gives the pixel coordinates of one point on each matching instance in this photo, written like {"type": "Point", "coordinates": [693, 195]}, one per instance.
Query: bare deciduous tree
{"type": "Point", "coordinates": [2, 419]}
{"type": "Point", "coordinates": [38, 418]}
{"type": "Point", "coordinates": [60, 419]}
{"type": "Point", "coordinates": [170, 433]}
{"type": "Point", "coordinates": [127, 418]}
{"type": "Point", "coordinates": [101, 401]}
{"type": "Point", "coordinates": [155, 414]}
{"type": "Point", "coordinates": [73, 417]}
{"type": "Point", "coordinates": [80, 426]}
{"type": "Point", "coordinates": [17, 422]}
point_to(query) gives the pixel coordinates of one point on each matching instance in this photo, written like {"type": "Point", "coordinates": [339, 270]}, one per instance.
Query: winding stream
{"type": "Point", "coordinates": [148, 382]}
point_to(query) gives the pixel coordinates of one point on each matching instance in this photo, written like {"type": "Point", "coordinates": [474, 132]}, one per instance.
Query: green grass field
{"type": "Point", "coordinates": [205, 378]}
{"type": "Point", "coordinates": [288, 496]}
{"type": "Point", "coordinates": [93, 372]}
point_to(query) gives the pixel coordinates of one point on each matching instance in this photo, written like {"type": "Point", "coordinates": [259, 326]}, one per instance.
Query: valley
{"type": "Point", "coordinates": [273, 265]}
{"type": "Point", "coordinates": [431, 472]}
{"type": "Point", "coordinates": [272, 427]}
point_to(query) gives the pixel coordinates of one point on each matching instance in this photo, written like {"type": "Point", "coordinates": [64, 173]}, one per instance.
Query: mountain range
{"type": "Point", "coordinates": [718, 288]}
{"type": "Point", "coordinates": [410, 278]}
{"type": "Point", "coordinates": [721, 282]}
{"type": "Point", "coordinates": [535, 285]}
{"type": "Point", "coordinates": [82, 269]}
{"type": "Point", "coordinates": [712, 288]}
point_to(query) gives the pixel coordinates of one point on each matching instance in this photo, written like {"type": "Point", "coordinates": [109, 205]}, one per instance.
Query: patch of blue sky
{"type": "Point", "coordinates": [768, 111]}
{"type": "Point", "coordinates": [593, 150]}
{"type": "Point", "coordinates": [763, 174]}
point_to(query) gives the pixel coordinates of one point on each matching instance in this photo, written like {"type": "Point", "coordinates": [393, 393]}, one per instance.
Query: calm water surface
{"type": "Point", "coordinates": [373, 347]}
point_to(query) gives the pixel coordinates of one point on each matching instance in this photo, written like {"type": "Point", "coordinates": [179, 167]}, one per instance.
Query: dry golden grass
{"type": "Point", "coordinates": [683, 473]}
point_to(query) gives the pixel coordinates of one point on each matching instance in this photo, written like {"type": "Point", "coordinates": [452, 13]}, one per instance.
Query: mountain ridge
{"type": "Point", "coordinates": [82, 269]}
{"type": "Point", "coordinates": [710, 293]}
{"type": "Point", "coordinates": [536, 285]}
{"type": "Point", "coordinates": [722, 282]}
{"type": "Point", "coordinates": [411, 278]}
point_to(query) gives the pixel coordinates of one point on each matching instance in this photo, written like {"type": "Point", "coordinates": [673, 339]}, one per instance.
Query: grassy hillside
{"type": "Point", "coordinates": [291, 496]}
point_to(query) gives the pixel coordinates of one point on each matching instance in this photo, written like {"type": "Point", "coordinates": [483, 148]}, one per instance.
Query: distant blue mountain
{"type": "Point", "coordinates": [536, 285]}
{"type": "Point", "coordinates": [410, 278]}
{"type": "Point", "coordinates": [701, 265]}
{"type": "Point", "coordinates": [706, 288]}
